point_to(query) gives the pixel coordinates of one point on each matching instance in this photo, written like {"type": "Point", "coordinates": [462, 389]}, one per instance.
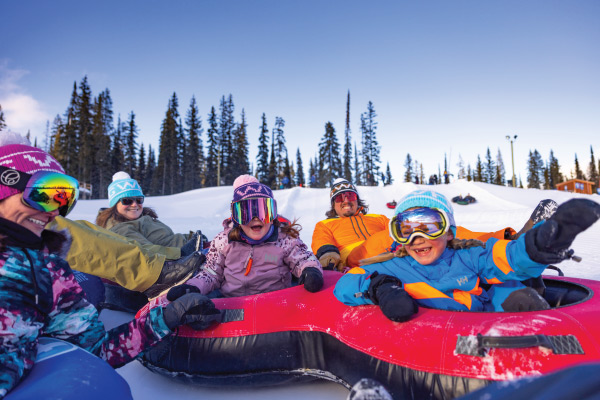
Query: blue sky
{"type": "Point", "coordinates": [445, 77]}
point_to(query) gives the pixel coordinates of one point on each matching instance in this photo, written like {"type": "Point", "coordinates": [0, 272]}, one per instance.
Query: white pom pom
{"type": "Point", "coordinates": [10, 137]}
{"type": "Point", "coordinates": [121, 175]}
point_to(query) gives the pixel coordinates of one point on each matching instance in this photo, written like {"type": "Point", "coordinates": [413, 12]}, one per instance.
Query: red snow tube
{"type": "Point", "coordinates": [293, 335]}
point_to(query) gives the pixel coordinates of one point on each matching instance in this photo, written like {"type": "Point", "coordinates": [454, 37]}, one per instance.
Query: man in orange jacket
{"type": "Point", "coordinates": [350, 233]}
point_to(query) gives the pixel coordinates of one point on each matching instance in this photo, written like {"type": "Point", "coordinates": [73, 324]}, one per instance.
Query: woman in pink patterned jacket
{"type": "Point", "coordinates": [257, 253]}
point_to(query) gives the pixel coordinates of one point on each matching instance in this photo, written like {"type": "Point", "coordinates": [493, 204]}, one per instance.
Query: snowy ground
{"type": "Point", "coordinates": [205, 209]}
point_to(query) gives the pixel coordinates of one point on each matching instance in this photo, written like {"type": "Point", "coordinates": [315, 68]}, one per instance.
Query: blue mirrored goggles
{"type": "Point", "coordinates": [263, 208]}
{"type": "Point", "coordinates": [429, 223]}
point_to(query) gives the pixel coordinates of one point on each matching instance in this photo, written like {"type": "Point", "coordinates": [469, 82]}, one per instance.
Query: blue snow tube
{"type": "Point", "coordinates": [65, 371]}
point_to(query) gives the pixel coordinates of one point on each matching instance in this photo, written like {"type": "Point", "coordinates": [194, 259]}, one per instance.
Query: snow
{"type": "Point", "coordinates": [205, 209]}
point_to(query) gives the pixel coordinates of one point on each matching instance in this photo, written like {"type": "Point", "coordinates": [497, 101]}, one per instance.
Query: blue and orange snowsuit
{"type": "Point", "coordinates": [454, 281]}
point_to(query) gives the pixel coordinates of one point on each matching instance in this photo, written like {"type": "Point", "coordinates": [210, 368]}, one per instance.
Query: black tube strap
{"type": "Point", "coordinates": [479, 345]}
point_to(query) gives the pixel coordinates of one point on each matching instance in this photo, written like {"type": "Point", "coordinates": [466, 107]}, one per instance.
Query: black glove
{"type": "Point", "coordinates": [191, 245]}
{"type": "Point", "coordinates": [526, 299]}
{"type": "Point", "coordinates": [395, 303]}
{"type": "Point", "coordinates": [312, 279]}
{"type": "Point", "coordinates": [549, 242]}
{"type": "Point", "coordinates": [193, 309]}
{"type": "Point", "coordinates": [177, 291]}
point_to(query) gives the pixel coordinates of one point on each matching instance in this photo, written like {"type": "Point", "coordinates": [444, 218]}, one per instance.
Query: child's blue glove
{"type": "Point", "coordinates": [549, 242]}
{"type": "Point", "coordinates": [312, 279]}
{"type": "Point", "coordinates": [395, 303]}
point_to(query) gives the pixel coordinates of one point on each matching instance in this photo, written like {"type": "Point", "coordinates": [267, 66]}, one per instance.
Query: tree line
{"type": "Point", "coordinates": [540, 174]}
{"type": "Point", "coordinates": [91, 147]}
{"type": "Point", "coordinates": [194, 154]}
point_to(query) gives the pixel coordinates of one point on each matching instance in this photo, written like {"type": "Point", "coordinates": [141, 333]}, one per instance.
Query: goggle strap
{"type": "Point", "coordinates": [13, 178]}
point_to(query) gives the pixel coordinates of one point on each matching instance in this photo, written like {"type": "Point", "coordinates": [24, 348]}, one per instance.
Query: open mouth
{"type": "Point", "coordinates": [256, 227]}
{"type": "Point", "coordinates": [422, 252]}
{"type": "Point", "coordinates": [36, 221]}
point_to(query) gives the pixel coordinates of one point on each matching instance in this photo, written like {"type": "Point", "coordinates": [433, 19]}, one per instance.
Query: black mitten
{"type": "Point", "coordinates": [192, 309]}
{"type": "Point", "coordinates": [549, 242]}
{"type": "Point", "coordinates": [312, 279]}
{"type": "Point", "coordinates": [394, 302]}
{"type": "Point", "coordinates": [177, 291]}
{"type": "Point", "coordinates": [526, 299]}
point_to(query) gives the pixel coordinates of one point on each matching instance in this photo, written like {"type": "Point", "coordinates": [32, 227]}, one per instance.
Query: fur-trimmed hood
{"type": "Point", "coordinates": [56, 242]}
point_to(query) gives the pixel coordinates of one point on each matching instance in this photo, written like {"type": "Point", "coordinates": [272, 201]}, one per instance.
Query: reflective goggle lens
{"type": "Point", "coordinates": [425, 222]}
{"type": "Point", "coordinates": [49, 191]}
{"type": "Point", "coordinates": [127, 201]}
{"type": "Point", "coordinates": [345, 196]}
{"type": "Point", "coordinates": [242, 212]}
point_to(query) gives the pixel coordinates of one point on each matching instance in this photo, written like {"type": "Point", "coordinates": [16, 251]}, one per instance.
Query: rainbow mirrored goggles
{"type": "Point", "coordinates": [429, 223]}
{"type": "Point", "coordinates": [44, 190]}
{"type": "Point", "coordinates": [263, 208]}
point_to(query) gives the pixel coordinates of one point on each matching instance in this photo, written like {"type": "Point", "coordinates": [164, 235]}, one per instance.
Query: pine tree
{"type": "Point", "coordinates": [469, 173]}
{"type": "Point", "coordinates": [140, 171]}
{"type": "Point", "coordinates": [347, 163]}
{"type": "Point", "coordinates": [592, 172]}
{"type": "Point", "coordinates": [357, 170]}
{"type": "Point", "coordinates": [69, 146]}
{"type": "Point", "coordinates": [312, 173]}
{"type": "Point", "coordinates": [226, 128]}
{"type": "Point", "coordinates": [150, 170]}
{"type": "Point", "coordinates": [57, 141]}
{"type": "Point", "coordinates": [534, 170]}
{"type": "Point", "coordinates": [194, 154]}
{"type": "Point", "coordinates": [388, 175]}
{"type": "Point", "coordinates": [330, 166]}
{"type": "Point", "coordinates": [2, 122]}
{"type": "Point", "coordinates": [280, 151]}
{"type": "Point", "coordinates": [262, 159]}
{"type": "Point", "coordinates": [370, 150]}
{"type": "Point", "coordinates": [239, 162]}
{"type": "Point", "coordinates": [408, 164]}
{"type": "Point", "coordinates": [578, 172]}
{"type": "Point", "coordinates": [500, 172]}
{"type": "Point", "coordinates": [300, 181]}
{"type": "Point", "coordinates": [83, 127]}
{"type": "Point", "coordinates": [165, 179]}
{"type": "Point", "coordinates": [478, 173]}
{"type": "Point", "coordinates": [131, 134]}
{"type": "Point", "coordinates": [212, 154]}
{"type": "Point", "coordinates": [490, 168]}
{"type": "Point", "coordinates": [100, 139]}
{"type": "Point", "coordinates": [117, 156]}
{"type": "Point", "coordinates": [554, 171]}
{"type": "Point", "coordinates": [461, 168]}
{"type": "Point", "coordinates": [546, 176]}
{"type": "Point", "coordinates": [272, 177]}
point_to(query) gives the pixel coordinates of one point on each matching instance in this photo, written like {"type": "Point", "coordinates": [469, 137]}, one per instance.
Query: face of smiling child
{"type": "Point", "coordinates": [256, 229]}
{"type": "Point", "coordinates": [426, 251]}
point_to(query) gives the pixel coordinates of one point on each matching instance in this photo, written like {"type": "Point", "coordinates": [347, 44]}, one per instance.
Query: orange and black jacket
{"type": "Point", "coordinates": [341, 235]}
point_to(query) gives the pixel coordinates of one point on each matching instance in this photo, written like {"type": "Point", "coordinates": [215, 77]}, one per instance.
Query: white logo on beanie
{"type": "Point", "coordinates": [10, 178]}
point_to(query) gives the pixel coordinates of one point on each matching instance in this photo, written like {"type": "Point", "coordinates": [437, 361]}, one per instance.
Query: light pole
{"type": "Point", "coordinates": [512, 156]}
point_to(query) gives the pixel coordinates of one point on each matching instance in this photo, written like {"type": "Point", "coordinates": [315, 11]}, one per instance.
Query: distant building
{"type": "Point", "coordinates": [576, 186]}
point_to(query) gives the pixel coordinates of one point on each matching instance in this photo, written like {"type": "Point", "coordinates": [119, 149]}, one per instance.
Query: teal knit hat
{"type": "Point", "coordinates": [429, 199]}
{"type": "Point", "coordinates": [121, 187]}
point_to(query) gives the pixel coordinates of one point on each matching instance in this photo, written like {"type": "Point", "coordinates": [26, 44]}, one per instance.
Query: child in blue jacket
{"type": "Point", "coordinates": [435, 270]}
